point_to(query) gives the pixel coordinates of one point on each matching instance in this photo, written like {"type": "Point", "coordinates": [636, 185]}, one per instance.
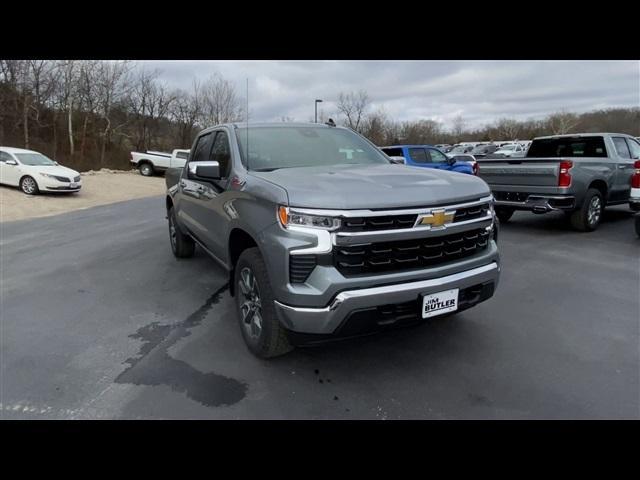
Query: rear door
{"type": "Point", "coordinates": [625, 148]}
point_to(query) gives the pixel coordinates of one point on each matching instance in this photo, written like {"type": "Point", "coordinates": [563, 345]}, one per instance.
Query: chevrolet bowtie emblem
{"type": "Point", "coordinates": [437, 218]}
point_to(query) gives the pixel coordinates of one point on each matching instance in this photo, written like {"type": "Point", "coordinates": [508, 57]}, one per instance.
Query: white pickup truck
{"type": "Point", "coordinates": [150, 162]}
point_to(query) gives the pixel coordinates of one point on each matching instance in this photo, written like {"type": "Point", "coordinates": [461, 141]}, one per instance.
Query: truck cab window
{"type": "Point", "coordinates": [221, 152]}
{"type": "Point", "coordinates": [621, 147]}
{"type": "Point", "coordinates": [201, 152]}
{"type": "Point", "coordinates": [437, 156]}
{"type": "Point", "coordinates": [634, 148]}
{"type": "Point", "coordinates": [418, 155]}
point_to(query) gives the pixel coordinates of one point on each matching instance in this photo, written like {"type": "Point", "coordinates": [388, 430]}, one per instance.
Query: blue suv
{"type": "Point", "coordinates": [426, 156]}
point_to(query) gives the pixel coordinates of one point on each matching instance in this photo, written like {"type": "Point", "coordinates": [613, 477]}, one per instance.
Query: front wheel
{"type": "Point", "coordinates": [182, 245]}
{"type": "Point", "coordinates": [29, 186]}
{"type": "Point", "coordinates": [588, 216]}
{"type": "Point", "coordinates": [259, 324]}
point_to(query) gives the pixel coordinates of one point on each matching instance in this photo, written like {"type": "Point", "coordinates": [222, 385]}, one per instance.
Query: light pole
{"type": "Point", "coordinates": [316, 105]}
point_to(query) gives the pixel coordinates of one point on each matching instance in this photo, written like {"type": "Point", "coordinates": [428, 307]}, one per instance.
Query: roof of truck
{"type": "Point", "coordinates": [594, 134]}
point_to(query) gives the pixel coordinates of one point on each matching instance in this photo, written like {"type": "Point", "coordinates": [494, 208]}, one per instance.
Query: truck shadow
{"type": "Point", "coordinates": [557, 222]}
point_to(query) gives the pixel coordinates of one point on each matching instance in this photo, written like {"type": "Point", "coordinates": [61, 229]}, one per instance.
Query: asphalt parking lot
{"type": "Point", "coordinates": [100, 321]}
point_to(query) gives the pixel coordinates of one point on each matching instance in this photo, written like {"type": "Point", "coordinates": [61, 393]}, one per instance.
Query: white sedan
{"type": "Point", "coordinates": [34, 173]}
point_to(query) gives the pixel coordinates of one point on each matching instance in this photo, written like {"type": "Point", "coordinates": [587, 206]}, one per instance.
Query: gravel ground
{"type": "Point", "coordinates": [98, 188]}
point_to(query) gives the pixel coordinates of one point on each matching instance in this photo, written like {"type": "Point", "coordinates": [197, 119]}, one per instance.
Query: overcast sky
{"type": "Point", "coordinates": [480, 91]}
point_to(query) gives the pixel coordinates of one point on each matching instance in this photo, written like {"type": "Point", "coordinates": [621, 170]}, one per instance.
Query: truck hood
{"type": "Point", "coordinates": [374, 186]}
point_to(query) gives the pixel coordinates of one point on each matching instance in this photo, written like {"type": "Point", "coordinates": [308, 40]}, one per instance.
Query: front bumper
{"type": "Point", "coordinates": [479, 284]}
{"type": "Point", "coordinates": [61, 187]}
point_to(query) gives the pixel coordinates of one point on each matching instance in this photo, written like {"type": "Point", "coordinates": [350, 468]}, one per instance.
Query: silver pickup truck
{"type": "Point", "coordinates": [323, 237]}
{"type": "Point", "coordinates": [579, 174]}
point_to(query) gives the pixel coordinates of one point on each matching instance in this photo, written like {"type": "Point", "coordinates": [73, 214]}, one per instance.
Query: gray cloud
{"type": "Point", "coordinates": [480, 91]}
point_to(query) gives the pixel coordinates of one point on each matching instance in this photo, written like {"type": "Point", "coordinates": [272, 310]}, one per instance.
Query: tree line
{"type": "Point", "coordinates": [355, 111]}
{"type": "Point", "coordinates": [89, 114]}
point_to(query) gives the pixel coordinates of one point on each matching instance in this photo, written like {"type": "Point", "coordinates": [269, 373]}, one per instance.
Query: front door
{"type": "Point", "coordinates": [207, 197]}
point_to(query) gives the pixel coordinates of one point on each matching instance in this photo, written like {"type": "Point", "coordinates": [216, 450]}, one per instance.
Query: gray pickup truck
{"type": "Point", "coordinates": [579, 174]}
{"type": "Point", "coordinates": [323, 237]}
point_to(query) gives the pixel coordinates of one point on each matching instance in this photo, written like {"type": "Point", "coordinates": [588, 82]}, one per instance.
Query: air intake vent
{"type": "Point", "coordinates": [300, 267]}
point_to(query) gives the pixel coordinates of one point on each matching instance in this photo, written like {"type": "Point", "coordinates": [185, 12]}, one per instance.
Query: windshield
{"type": "Point", "coordinates": [34, 159]}
{"type": "Point", "coordinates": [459, 149]}
{"type": "Point", "coordinates": [271, 148]}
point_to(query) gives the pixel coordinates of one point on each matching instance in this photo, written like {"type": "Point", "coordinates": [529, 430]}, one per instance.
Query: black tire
{"type": "Point", "coordinates": [146, 169]}
{"type": "Point", "coordinates": [182, 245]}
{"type": "Point", "coordinates": [504, 214]}
{"type": "Point", "coordinates": [261, 330]}
{"type": "Point", "coordinates": [638, 225]}
{"type": "Point", "coordinates": [29, 185]}
{"type": "Point", "coordinates": [588, 216]}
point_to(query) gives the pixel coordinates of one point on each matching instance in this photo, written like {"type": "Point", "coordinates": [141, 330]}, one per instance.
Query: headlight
{"type": "Point", "coordinates": [290, 217]}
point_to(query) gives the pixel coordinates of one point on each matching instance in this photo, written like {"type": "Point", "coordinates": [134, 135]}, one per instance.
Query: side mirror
{"type": "Point", "coordinates": [451, 160]}
{"type": "Point", "coordinates": [11, 162]}
{"type": "Point", "coordinates": [208, 170]}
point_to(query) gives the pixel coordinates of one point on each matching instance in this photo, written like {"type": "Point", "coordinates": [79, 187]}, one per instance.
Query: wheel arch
{"type": "Point", "coordinates": [601, 186]}
{"type": "Point", "coordinates": [239, 241]}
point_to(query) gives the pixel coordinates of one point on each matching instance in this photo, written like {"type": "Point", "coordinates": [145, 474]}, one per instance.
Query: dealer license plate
{"type": "Point", "coordinates": [438, 303]}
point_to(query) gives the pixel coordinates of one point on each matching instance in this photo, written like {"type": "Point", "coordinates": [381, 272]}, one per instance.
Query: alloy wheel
{"type": "Point", "coordinates": [29, 185]}
{"type": "Point", "coordinates": [595, 210]}
{"type": "Point", "coordinates": [250, 305]}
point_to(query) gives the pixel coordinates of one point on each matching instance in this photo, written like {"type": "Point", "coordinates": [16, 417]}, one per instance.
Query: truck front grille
{"type": "Point", "coordinates": [385, 257]}
{"type": "Point", "coordinates": [394, 222]}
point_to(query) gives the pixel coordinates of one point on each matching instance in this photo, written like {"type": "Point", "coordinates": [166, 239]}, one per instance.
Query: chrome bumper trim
{"type": "Point", "coordinates": [326, 320]}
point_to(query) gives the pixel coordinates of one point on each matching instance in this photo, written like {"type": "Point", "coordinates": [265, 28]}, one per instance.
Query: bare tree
{"type": "Point", "coordinates": [375, 126]}
{"type": "Point", "coordinates": [562, 122]}
{"type": "Point", "coordinates": [185, 111]}
{"type": "Point", "coordinates": [353, 106]}
{"type": "Point", "coordinates": [507, 128]}
{"type": "Point", "coordinates": [113, 84]}
{"type": "Point", "coordinates": [458, 126]}
{"type": "Point", "coordinates": [68, 93]}
{"type": "Point", "coordinates": [221, 104]}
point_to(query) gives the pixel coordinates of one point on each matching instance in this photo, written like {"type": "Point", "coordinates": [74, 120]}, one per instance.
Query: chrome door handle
{"type": "Point", "coordinates": [622, 166]}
